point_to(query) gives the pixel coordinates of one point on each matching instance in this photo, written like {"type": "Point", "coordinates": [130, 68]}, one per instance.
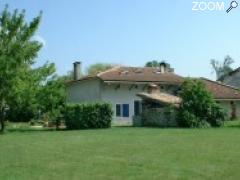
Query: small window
{"type": "Point", "coordinates": [118, 110]}
{"type": "Point", "coordinates": [125, 110]}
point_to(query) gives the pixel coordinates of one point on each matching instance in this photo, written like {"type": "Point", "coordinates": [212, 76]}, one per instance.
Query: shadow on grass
{"type": "Point", "coordinates": [232, 124]}
{"type": "Point", "coordinates": [125, 126]}
{"type": "Point", "coordinates": [29, 130]}
{"type": "Point", "coordinates": [25, 130]}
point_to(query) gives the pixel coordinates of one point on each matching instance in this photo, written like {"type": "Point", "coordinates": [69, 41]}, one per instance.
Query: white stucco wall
{"type": "Point", "coordinates": [94, 90]}
{"type": "Point", "coordinates": [227, 106]}
{"type": "Point", "coordinates": [121, 95]}
{"type": "Point", "coordinates": [84, 91]}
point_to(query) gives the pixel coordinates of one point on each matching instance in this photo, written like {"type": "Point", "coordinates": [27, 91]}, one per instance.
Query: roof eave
{"type": "Point", "coordinates": [140, 82]}
{"type": "Point", "coordinates": [82, 79]}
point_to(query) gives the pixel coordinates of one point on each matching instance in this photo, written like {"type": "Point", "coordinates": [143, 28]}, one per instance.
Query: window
{"type": "Point", "coordinates": [125, 108]}
{"type": "Point", "coordinates": [122, 110]}
{"type": "Point", "coordinates": [118, 110]}
{"type": "Point", "coordinates": [137, 107]}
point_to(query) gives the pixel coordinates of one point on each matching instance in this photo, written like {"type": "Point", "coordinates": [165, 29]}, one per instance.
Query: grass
{"type": "Point", "coordinates": [121, 153]}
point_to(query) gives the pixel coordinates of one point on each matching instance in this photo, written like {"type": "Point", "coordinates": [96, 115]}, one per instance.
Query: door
{"type": "Point", "coordinates": [137, 108]}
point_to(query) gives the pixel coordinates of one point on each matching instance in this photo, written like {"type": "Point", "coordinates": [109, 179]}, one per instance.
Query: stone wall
{"type": "Point", "coordinates": [156, 117]}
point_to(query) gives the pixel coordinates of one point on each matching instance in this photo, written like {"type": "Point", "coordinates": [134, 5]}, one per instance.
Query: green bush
{"type": "Point", "coordinates": [88, 115]}
{"type": "Point", "coordinates": [187, 119]}
{"type": "Point", "coordinates": [218, 115]}
{"type": "Point", "coordinates": [198, 108]}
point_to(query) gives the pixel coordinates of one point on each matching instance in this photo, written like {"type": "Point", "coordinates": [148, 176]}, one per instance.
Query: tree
{"type": "Point", "coordinates": [198, 108]}
{"type": "Point", "coordinates": [222, 68]}
{"type": "Point", "coordinates": [98, 67]}
{"type": "Point", "coordinates": [30, 93]}
{"type": "Point", "coordinates": [51, 97]}
{"type": "Point", "coordinates": [17, 51]}
{"type": "Point", "coordinates": [153, 63]}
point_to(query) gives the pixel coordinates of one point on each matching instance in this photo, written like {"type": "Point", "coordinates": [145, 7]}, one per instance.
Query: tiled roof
{"type": "Point", "coordinates": [148, 75]}
{"type": "Point", "coordinates": [135, 74]}
{"type": "Point", "coordinates": [221, 91]}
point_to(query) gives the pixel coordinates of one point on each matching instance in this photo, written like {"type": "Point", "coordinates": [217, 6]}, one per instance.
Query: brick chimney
{"type": "Point", "coordinates": [163, 67]}
{"type": "Point", "coordinates": [77, 70]}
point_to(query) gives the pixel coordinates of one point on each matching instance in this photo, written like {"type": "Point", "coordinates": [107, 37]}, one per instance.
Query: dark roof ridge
{"type": "Point", "coordinates": [234, 71]}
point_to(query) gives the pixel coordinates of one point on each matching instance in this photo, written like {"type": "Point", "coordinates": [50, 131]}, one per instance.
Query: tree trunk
{"type": "Point", "coordinates": [2, 125]}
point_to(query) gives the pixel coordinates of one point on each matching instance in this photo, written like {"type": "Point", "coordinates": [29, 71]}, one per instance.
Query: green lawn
{"type": "Point", "coordinates": [121, 153]}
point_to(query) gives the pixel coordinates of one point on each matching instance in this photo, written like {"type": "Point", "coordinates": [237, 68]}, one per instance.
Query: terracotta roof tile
{"type": "Point", "coordinates": [161, 97]}
{"type": "Point", "coordinates": [135, 74]}
{"type": "Point", "coordinates": [221, 91]}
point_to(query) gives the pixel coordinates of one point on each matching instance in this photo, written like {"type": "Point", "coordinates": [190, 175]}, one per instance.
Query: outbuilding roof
{"type": "Point", "coordinates": [161, 97]}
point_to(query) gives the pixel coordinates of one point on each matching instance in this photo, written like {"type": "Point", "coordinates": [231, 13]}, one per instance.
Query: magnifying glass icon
{"type": "Point", "coordinates": [233, 4]}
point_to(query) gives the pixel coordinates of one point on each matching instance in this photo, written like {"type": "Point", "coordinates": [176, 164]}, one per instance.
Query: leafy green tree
{"type": "Point", "coordinates": [51, 97]}
{"type": "Point", "coordinates": [198, 108]}
{"type": "Point", "coordinates": [222, 68]}
{"type": "Point", "coordinates": [17, 51]}
{"type": "Point", "coordinates": [153, 63]}
{"type": "Point", "coordinates": [98, 67]}
{"type": "Point", "coordinates": [24, 100]}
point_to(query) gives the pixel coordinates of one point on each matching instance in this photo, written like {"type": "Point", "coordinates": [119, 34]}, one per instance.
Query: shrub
{"type": "Point", "coordinates": [20, 113]}
{"type": "Point", "coordinates": [187, 119]}
{"type": "Point", "coordinates": [198, 108]}
{"type": "Point", "coordinates": [218, 115]}
{"type": "Point", "coordinates": [88, 115]}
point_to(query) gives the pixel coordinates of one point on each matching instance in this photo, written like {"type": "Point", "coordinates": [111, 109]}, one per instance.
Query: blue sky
{"type": "Point", "coordinates": [131, 32]}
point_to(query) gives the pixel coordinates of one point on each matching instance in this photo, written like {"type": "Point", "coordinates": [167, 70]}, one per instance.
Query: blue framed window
{"type": "Point", "coordinates": [118, 110]}
{"type": "Point", "coordinates": [122, 110]}
{"type": "Point", "coordinates": [125, 108]}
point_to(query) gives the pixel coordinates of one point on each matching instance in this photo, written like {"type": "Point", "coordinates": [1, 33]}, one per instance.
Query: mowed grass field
{"type": "Point", "coordinates": [121, 153]}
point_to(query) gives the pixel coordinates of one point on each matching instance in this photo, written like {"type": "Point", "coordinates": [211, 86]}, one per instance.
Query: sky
{"type": "Point", "coordinates": [132, 32]}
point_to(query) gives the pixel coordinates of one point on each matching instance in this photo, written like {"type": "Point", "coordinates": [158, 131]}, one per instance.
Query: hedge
{"type": "Point", "coordinates": [88, 115]}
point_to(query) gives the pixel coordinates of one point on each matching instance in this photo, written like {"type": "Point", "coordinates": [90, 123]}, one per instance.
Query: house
{"type": "Point", "coordinates": [125, 88]}
{"type": "Point", "coordinates": [232, 78]}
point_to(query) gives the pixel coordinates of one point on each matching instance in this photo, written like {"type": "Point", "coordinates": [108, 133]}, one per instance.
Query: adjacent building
{"type": "Point", "coordinates": [232, 78]}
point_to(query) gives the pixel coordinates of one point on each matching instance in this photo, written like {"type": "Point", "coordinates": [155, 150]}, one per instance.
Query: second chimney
{"type": "Point", "coordinates": [163, 67]}
{"type": "Point", "coordinates": [76, 70]}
